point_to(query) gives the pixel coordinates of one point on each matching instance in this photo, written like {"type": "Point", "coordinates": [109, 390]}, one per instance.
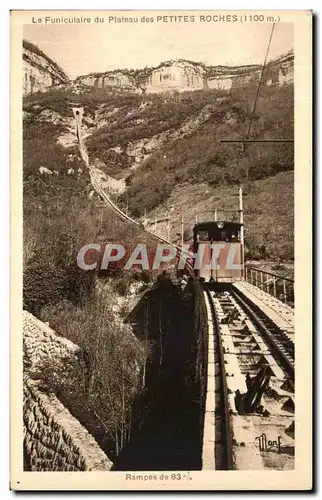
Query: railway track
{"type": "Point", "coordinates": [251, 371]}
{"type": "Point", "coordinates": [250, 379]}
{"type": "Point", "coordinates": [279, 342]}
{"type": "Point", "coordinates": [217, 420]}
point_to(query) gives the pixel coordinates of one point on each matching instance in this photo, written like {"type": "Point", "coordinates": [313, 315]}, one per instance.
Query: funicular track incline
{"type": "Point", "coordinates": [229, 359]}
{"type": "Point", "coordinates": [96, 183]}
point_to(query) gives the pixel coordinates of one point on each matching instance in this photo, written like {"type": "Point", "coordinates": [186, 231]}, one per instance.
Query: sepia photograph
{"type": "Point", "coordinates": [157, 199]}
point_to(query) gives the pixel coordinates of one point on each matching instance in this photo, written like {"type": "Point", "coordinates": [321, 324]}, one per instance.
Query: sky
{"type": "Point", "coordinates": [82, 49]}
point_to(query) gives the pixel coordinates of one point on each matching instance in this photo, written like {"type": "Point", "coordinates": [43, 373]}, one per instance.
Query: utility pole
{"type": "Point", "coordinates": [241, 221]}
{"type": "Point", "coordinates": [182, 223]}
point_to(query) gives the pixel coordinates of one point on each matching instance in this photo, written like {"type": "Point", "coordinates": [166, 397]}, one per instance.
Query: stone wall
{"type": "Point", "coordinates": [53, 439]}
{"type": "Point", "coordinates": [41, 345]}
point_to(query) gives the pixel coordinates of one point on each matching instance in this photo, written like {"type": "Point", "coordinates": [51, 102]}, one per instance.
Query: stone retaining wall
{"type": "Point", "coordinates": [54, 440]}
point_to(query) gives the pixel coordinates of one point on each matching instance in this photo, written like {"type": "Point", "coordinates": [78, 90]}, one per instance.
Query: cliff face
{"type": "Point", "coordinates": [280, 71]}
{"type": "Point", "coordinates": [39, 70]}
{"type": "Point", "coordinates": [231, 79]}
{"type": "Point", "coordinates": [173, 75]}
{"type": "Point", "coordinates": [181, 75]}
{"type": "Point", "coordinates": [117, 79]}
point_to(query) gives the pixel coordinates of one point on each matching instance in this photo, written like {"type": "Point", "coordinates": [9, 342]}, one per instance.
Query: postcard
{"type": "Point", "coordinates": [161, 230]}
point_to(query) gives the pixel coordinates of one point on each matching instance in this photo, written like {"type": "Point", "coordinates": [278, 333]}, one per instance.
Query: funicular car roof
{"type": "Point", "coordinates": [208, 225]}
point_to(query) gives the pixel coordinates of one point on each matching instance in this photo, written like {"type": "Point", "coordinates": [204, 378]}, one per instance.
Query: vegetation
{"type": "Point", "coordinates": [202, 157]}
{"type": "Point", "coordinates": [269, 215]}
{"type": "Point", "coordinates": [57, 98]}
{"type": "Point", "coordinates": [59, 219]}
{"type": "Point", "coordinates": [99, 391]}
{"type": "Point", "coordinates": [40, 149]}
{"type": "Point", "coordinates": [51, 243]}
{"type": "Point", "coordinates": [142, 117]}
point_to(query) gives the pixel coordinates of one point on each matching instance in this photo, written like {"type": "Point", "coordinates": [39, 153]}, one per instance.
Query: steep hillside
{"type": "Point", "coordinates": [60, 216]}
{"type": "Point", "coordinates": [268, 209]}
{"type": "Point", "coordinates": [163, 156]}
{"type": "Point", "coordinates": [200, 156]}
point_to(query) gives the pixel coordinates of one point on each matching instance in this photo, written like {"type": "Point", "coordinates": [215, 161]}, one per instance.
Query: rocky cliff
{"type": "Point", "coordinates": [118, 79]}
{"type": "Point", "coordinates": [181, 75]}
{"type": "Point", "coordinates": [39, 71]}
{"type": "Point", "coordinates": [280, 71]}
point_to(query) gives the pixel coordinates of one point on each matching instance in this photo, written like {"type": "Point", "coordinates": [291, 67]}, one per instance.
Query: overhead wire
{"type": "Point", "coordinates": [258, 87]}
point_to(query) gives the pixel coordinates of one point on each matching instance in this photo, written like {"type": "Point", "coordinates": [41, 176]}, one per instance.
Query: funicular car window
{"type": "Point", "coordinates": [203, 235]}
{"type": "Point", "coordinates": [215, 233]}
{"type": "Point", "coordinates": [226, 234]}
{"type": "Point", "coordinates": [230, 235]}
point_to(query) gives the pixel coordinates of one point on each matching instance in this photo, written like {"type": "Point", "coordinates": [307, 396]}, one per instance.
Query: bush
{"type": "Point", "coordinates": [101, 395]}
{"type": "Point", "coordinates": [122, 286]}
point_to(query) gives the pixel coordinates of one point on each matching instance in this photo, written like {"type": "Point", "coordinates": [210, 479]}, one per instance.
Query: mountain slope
{"type": "Point", "coordinates": [162, 144]}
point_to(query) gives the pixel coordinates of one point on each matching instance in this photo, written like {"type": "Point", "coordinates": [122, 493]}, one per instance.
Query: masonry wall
{"type": "Point", "coordinates": [54, 440]}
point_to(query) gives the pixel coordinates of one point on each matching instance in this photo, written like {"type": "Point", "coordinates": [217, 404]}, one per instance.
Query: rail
{"type": "Point", "coordinates": [227, 462]}
{"type": "Point", "coordinates": [279, 343]}
{"type": "Point", "coordinates": [278, 286]}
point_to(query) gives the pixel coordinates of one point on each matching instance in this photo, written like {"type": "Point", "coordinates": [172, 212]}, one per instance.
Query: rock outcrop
{"type": "Point", "coordinates": [182, 75]}
{"type": "Point", "coordinates": [39, 71]}
{"type": "Point", "coordinates": [179, 75]}
{"type": "Point", "coordinates": [228, 78]}
{"type": "Point", "coordinates": [114, 79]}
{"type": "Point", "coordinates": [173, 75]}
{"type": "Point", "coordinates": [280, 71]}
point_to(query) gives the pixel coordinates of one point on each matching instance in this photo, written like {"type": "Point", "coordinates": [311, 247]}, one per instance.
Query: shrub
{"type": "Point", "coordinates": [122, 286]}
{"type": "Point", "coordinates": [100, 397]}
